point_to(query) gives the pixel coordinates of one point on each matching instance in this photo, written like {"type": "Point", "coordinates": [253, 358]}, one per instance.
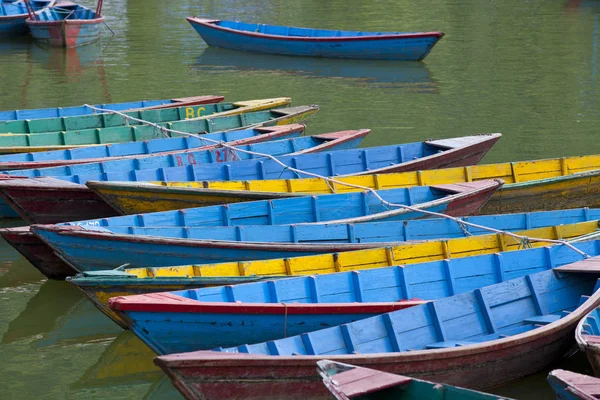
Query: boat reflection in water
{"type": "Point", "coordinates": [127, 361]}
{"type": "Point", "coordinates": [410, 75]}
{"type": "Point", "coordinates": [63, 317]}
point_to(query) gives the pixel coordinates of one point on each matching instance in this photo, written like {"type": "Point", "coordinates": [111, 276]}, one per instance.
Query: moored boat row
{"type": "Point", "coordinates": [237, 241]}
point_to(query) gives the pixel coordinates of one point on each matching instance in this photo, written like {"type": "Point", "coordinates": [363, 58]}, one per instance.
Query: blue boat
{"type": "Point", "coordinates": [261, 140]}
{"type": "Point", "coordinates": [176, 147]}
{"type": "Point", "coordinates": [13, 14]}
{"type": "Point", "coordinates": [201, 244]}
{"type": "Point", "coordinates": [569, 385]}
{"type": "Point", "coordinates": [72, 111]}
{"type": "Point", "coordinates": [67, 199]}
{"type": "Point", "coordinates": [478, 339]}
{"type": "Point", "coordinates": [66, 25]}
{"type": "Point", "coordinates": [89, 248]}
{"type": "Point", "coordinates": [205, 318]}
{"type": "Point", "coordinates": [293, 41]}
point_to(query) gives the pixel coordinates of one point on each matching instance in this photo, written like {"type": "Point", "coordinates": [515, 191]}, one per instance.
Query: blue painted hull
{"type": "Point", "coordinates": [100, 253]}
{"type": "Point", "coordinates": [131, 166]}
{"type": "Point", "coordinates": [188, 332]}
{"type": "Point", "coordinates": [377, 48]}
{"type": "Point", "coordinates": [13, 26]}
{"type": "Point", "coordinates": [66, 34]}
{"type": "Point", "coordinates": [186, 320]}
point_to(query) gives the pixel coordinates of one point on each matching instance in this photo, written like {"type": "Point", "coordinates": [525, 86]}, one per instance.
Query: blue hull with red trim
{"type": "Point", "coordinates": [399, 46]}
{"type": "Point", "coordinates": [14, 13]}
{"type": "Point", "coordinates": [224, 316]}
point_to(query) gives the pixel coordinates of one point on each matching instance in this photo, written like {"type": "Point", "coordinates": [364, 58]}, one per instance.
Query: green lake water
{"type": "Point", "coordinates": [527, 69]}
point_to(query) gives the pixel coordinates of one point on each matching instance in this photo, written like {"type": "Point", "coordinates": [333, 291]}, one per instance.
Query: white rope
{"type": "Point", "coordinates": [523, 240]}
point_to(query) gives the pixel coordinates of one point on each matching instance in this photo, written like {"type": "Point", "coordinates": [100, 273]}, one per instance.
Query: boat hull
{"type": "Point", "coordinates": [90, 251]}
{"type": "Point", "coordinates": [237, 377]}
{"type": "Point", "coordinates": [389, 47]}
{"type": "Point", "coordinates": [40, 255]}
{"type": "Point", "coordinates": [132, 200]}
{"type": "Point", "coordinates": [13, 25]}
{"type": "Point", "coordinates": [570, 191]}
{"type": "Point", "coordinates": [66, 33]}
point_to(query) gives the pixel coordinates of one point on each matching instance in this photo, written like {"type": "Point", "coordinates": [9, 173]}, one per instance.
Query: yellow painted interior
{"type": "Point", "coordinates": [515, 172]}
{"type": "Point", "coordinates": [406, 253]}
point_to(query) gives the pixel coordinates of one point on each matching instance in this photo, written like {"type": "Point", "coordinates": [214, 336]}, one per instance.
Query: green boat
{"type": "Point", "coordinates": [108, 120]}
{"type": "Point", "coordinates": [31, 142]}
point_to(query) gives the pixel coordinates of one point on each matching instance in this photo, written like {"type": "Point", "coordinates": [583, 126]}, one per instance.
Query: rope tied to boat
{"type": "Point", "coordinates": [417, 209]}
{"type": "Point", "coordinates": [525, 243]}
{"type": "Point", "coordinates": [463, 227]}
{"type": "Point", "coordinates": [285, 314]}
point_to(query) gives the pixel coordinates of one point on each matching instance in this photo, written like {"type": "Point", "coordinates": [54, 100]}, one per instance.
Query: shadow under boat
{"type": "Point", "coordinates": [395, 73]}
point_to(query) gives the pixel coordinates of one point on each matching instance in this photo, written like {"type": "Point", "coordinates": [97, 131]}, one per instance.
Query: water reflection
{"type": "Point", "coordinates": [62, 317]}
{"type": "Point", "coordinates": [126, 361]}
{"type": "Point", "coordinates": [413, 75]}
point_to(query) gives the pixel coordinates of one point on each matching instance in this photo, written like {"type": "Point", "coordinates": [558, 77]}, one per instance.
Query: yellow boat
{"type": "Point", "coordinates": [548, 184]}
{"type": "Point", "coordinates": [99, 286]}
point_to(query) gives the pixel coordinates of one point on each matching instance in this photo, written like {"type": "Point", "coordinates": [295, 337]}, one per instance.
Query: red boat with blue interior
{"type": "Point", "coordinates": [66, 24]}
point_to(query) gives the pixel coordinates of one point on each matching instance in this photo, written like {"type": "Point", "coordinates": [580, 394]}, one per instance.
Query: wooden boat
{"type": "Point", "coordinates": [39, 255]}
{"type": "Point", "coordinates": [172, 114]}
{"type": "Point", "coordinates": [13, 14]}
{"type": "Point", "coordinates": [178, 150]}
{"type": "Point", "coordinates": [347, 382]}
{"type": "Point", "coordinates": [107, 120]}
{"type": "Point", "coordinates": [258, 140]}
{"type": "Point", "coordinates": [569, 385]}
{"type": "Point", "coordinates": [99, 286]}
{"type": "Point", "coordinates": [89, 248]}
{"type": "Point", "coordinates": [180, 147]}
{"type": "Point", "coordinates": [129, 198]}
{"type": "Point", "coordinates": [47, 141]}
{"type": "Point", "coordinates": [287, 40]}
{"type": "Point", "coordinates": [536, 185]}
{"type": "Point", "coordinates": [202, 319]}
{"type": "Point", "coordinates": [68, 199]}
{"type": "Point", "coordinates": [478, 340]}
{"type": "Point", "coordinates": [66, 25]}
{"type": "Point", "coordinates": [587, 336]}
{"type": "Point", "coordinates": [71, 111]}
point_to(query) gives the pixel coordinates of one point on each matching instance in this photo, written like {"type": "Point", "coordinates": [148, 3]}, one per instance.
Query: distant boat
{"type": "Point", "coordinates": [347, 382]}
{"type": "Point", "coordinates": [261, 38]}
{"type": "Point", "coordinates": [569, 385]}
{"type": "Point", "coordinates": [66, 24]}
{"type": "Point", "coordinates": [478, 339]}
{"type": "Point", "coordinates": [14, 13]}
{"type": "Point", "coordinates": [70, 111]}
